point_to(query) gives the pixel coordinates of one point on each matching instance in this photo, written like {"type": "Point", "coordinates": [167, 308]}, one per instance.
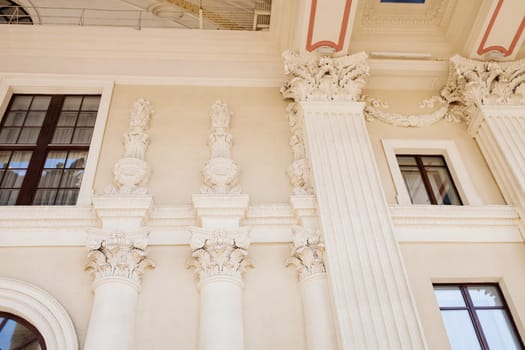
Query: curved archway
{"type": "Point", "coordinates": [42, 310]}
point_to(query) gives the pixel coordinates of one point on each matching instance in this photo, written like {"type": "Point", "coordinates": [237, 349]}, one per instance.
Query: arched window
{"type": "Point", "coordinates": [12, 13]}
{"type": "Point", "coordinates": [18, 334]}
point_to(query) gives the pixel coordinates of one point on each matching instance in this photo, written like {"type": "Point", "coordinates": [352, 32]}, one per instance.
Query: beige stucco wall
{"type": "Point", "coordinates": [408, 103]}
{"type": "Point", "coordinates": [179, 135]}
{"type": "Point", "coordinates": [463, 263]}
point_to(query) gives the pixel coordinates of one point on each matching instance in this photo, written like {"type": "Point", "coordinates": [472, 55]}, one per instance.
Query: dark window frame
{"type": "Point", "coordinates": [37, 336]}
{"type": "Point", "coordinates": [426, 180]}
{"type": "Point", "coordinates": [471, 309]}
{"type": "Point", "coordinates": [43, 145]}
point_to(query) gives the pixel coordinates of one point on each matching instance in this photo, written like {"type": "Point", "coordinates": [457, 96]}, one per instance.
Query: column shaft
{"type": "Point", "coordinates": [373, 305]}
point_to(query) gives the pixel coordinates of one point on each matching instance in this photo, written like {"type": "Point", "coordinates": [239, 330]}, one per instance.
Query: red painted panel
{"type": "Point", "coordinates": [342, 32]}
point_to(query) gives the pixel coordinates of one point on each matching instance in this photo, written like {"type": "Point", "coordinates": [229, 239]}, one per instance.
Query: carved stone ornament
{"type": "Point", "coordinates": [117, 255]}
{"type": "Point", "coordinates": [299, 171]}
{"type": "Point", "coordinates": [131, 172]}
{"type": "Point", "coordinates": [307, 252]}
{"type": "Point", "coordinates": [219, 252]}
{"type": "Point", "coordinates": [220, 173]}
{"type": "Point", "coordinates": [472, 84]}
{"type": "Point", "coordinates": [376, 109]}
{"type": "Point", "coordinates": [314, 78]}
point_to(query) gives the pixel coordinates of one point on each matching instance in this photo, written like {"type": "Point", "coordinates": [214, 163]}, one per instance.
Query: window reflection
{"type": "Point", "coordinates": [18, 334]}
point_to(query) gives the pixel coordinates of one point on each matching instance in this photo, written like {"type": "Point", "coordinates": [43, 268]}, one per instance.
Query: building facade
{"type": "Point", "coordinates": [262, 174]}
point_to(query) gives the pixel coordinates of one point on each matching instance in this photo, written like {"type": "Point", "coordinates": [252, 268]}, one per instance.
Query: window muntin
{"type": "Point", "coordinates": [44, 142]}
{"type": "Point", "coordinates": [17, 333]}
{"type": "Point", "coordinates": [428, 180]}
{"type": "Point", "coordinates": [476, 317]}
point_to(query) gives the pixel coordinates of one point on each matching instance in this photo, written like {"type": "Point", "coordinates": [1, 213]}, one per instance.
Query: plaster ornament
{"type": "Point", "coordinates": [299, 171]}
{"type": "Point", "coordinates": [314, 78]}
{"type": "Point", "coordinates": [118, 255]}
{"type": "Point", "coordinates": [219, 252]}
{"type": "Point", "coordinates": [375, 109]}
{"type": "Point", "coordinates": [131, 172]}
{"type": "Point", "coordinates": [220, 173]}
{"type": "Point", "coordinates": [307, 252]}
{"type": "Point", "coordinates": [472, 84]}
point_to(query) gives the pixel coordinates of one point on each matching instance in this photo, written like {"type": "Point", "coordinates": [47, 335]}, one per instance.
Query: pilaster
{"type": "Point", "coordinates": [370, 292]}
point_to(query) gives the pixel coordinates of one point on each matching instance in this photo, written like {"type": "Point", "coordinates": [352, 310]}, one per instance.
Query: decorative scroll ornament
{"type": "Point", "coordinates": [315, 78]}
{"type": "Point", "coordinates": [472, 84]}
{"type": "Point", "coordinates": [118, 255]}
{"type": "Point", "coordinates": [220, 173]}
{"type": "Point", "coordinates": [219, 252]}
{"type": "Point", "coordinates": [307, 252]}
{"type": "Point", "coordinates": [131, 172]}
{"type": "Point", "coordinates": [299, 171]}
{"type": "Point", "coordinates": [375, 109]}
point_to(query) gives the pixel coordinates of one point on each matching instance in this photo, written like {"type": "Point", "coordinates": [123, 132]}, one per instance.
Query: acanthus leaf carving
{"type": "Point", "coordinates": [472, 84]}
{"type": "Point", "coordinates": [314, 78]}
{"type": "Point", "coordinates": [307, 252]}
{"type": "Point", "coordinates": [131, 172]}
{"type": "Point", "coordinates": [299, 171]}
{"type": "Point", "coordinates": [219, 252]}
{"type": "Point", "coordinates": [221, 172]}
{"type": "Point", "coordinates": [117, 254]}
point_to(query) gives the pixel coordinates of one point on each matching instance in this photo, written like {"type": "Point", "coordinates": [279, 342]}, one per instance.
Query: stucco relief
{"type": "Point", "coordinates": [118, 255]}
{"type": "Point", "coordinates": [307, 252]}
{"type": "Point", "coordinates": [131, 172]}
{"type": "Point", "coordinates": [315, 78]}
{"type": "Point", "coordinates": [472, 84]}
{"type": "Point", "coordinates": [299, 171]}
{"type": "Point", "coordinates": [219, 252]}
{"type": "Point", "coordinates": [221, 172]}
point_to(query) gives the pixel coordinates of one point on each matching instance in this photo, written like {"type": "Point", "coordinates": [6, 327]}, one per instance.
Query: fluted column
{"type": "Point", "coordinates": [116, 261]}
{"type": "Point", "coordinates": [490, 97]}
{"type": "Point", "coordinates": [370, 292]}
{"type": "Point", "coordinates": [308, 258]}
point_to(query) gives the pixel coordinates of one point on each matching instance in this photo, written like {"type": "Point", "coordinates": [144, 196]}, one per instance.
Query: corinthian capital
{"type": "Point", "coordinates": [472, 84]}
{"type": "Point", "coordinates": [307, 252]}
{"type": "Point", "coordinates": [314, 78]}
{"type": "Point", "coordinates": [117, 255]}
{"type": "Point", "coordinates": [219, 252]}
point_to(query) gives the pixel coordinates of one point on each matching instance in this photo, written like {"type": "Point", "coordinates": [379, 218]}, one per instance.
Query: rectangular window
{"type": "Point", "coordinates": [44, 142]}
{"type": "Point", "coordinates": [428, 180]}
{"type": "Point", "coordinates": [476, 317]}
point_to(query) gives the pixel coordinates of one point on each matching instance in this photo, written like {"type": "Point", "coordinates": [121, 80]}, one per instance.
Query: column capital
{"type": "Point", "coordinates": [218, 252]}
{"type": "Point", "coordinates": [118, 255]}
{"type": "Point", "coordinates": [322, 78]}
{"type": "Point", "coordinates": [307, 252]}
{"type": "Point", "coordinates": [473, 84]}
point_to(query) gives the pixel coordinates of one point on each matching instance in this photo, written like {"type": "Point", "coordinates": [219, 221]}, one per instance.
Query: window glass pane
{"type": "Point", "coordinates": [72, 178]}
{"type": "Point", "coordinates": [50, 178]}
{"type": "Point", "coordinates": [44, 197]}
{"type": "Point", "coordinates": [62, 135]}
{"type": "Point", "coordinates": [91, 103]}
{"type": "Point", "coordinates": [442, 186]}
{"type": "Point", "coordinates": [55, 160]}
{"type": "Point", "coordinates": [67, 197]}
{"type": "Point", "coordinates": [415, 185]}
{"type": "Point", "coordinates": [76, 159]}
{"type": "Point", "coordinates": [40, 103]}
{"type": "Point", "coordinates": [8, 197]}
{"type": "Point", "coordinates": [433, 161]}
{"type": "Point", "coordinates": [449, 296]}
{"type": "Point", "coordinates": [21, 102]}
{"type": "Point", "coordinates": [15, 119]}
{"type": "Point", "coordinates": [485, 296]}
{"type": "Point", "coordinates": [460, 330]}
{"type": "Point", "coordinates": [29, 135]}
{"type": "Point", "coordinates": [72, 103]}
{"type": "Point", "coordinates": [87, 118]}
{"type": "Point", "coordinates": [4, 158]}
{"type": "Point", "coordinates": [9, 135]}
{"type": "Point", "coordinates": [67, 119]}
{"type": "Point", "coordinates": [498, 329]}
{"type": "Point", "coordinates": [406, 160]}
{"type": "Point", "coordinates": [13, 178]}
{"type": "Point", "coordinates": [82, 135]}
{"type": "Point", "coordinates": [20, 159]}
{"type": "Point", "coordinates": [35, 118]}
{"type": "Point", "coordinates": [16, 334]}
